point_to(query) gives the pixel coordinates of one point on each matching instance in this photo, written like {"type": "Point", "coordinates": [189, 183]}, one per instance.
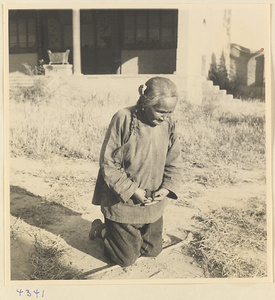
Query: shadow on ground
{"type": "Point", "coordinates": [56, 219]}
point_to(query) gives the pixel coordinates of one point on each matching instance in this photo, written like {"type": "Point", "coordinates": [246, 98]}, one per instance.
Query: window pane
{"type": "Point", "coordinates": [167, 18]}
{"type": "Point", "coordinates": [86, 16]}
{"type": "Point", "coordinates": [129, 20]}
{"type": "Point", "coordinates": [87, 29]}
{"type": "Point", "coordinates": [104, 29]}
{"type": "Point", "coordinates": [31, 32]}
{"type": "Point", "coordinates": [150, 28]}
{"type": "Point", "coordinates": [87, 35]}
{"type": "Point", "coordinates": [129, 27]}
{"type": "Point", "coordinates": [13, 28]}
{"type": "Point", "coordinates": [167, 26]}
{"type": "Point", "coordinates": [141, 27]}
{"type": "Point", "coordinates": [67, 31]}
{"type": "Point", "coordinates": [54, 34]}
{"type": "Point", "coordinates": [167, 35]}
{"type": "Point", "coordinates": [13, 41]}
{"type": "Point", "coordinates": [22, 25]}
{"type": "Point", "coordinates": [13, 34]}
{"type": "Point", "coordinates": [129, 36]}
{"type": "Point", "coordinates": [154, 26]}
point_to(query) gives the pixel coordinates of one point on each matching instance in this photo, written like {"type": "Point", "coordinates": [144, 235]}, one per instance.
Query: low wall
{"type": "Point", "coordinates": [125, 86]}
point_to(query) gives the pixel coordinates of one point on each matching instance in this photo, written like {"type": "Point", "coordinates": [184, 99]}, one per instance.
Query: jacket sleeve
{"type": "Point", "coordinates": [172, 175]}
{"type": "Point", "coordinates": [111, 158]}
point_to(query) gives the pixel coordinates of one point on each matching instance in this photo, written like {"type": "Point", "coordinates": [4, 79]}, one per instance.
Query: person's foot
{"type": "Point", "coordinates": [96, 229]}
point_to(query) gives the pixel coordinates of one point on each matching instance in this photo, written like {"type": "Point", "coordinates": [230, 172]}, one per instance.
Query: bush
{"type": "Point", "coordinates": [219, 75]}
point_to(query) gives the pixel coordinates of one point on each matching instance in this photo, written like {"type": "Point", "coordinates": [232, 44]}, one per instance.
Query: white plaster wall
{"type": "Point", "coordinates": [217, 35]}
{"type": "Point", "coordinates": [190, 51]}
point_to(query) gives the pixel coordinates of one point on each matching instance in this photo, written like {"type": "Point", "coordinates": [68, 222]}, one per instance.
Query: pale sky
{"type": "Point", "coordinates": [250, 26]}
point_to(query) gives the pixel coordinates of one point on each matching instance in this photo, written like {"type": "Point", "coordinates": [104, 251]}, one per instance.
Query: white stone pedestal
{"type": "Point", "coordinates": [61, 69]}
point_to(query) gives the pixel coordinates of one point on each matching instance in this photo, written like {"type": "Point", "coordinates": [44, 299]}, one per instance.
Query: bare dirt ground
{"type": "Point", "coordinates": [51, 199]}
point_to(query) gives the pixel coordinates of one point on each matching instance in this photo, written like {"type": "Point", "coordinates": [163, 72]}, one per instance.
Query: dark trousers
{"type": "Point", "coordinates": [124, 243]}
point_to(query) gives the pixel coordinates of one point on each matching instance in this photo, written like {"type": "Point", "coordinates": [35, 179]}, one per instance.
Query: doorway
{"type": "Point", "coordinates": [98, 41]}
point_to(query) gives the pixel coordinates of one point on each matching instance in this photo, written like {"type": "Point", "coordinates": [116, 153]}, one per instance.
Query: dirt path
{"type": "Point", "coordinates": [52, 198]}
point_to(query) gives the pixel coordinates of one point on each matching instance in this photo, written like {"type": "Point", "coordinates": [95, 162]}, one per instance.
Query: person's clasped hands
{"type": "Point", "coordinates": [146, 197]}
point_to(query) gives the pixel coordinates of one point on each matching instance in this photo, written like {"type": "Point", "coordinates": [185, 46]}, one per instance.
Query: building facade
{"type": "Point", "coordinates": [111, 41]}
{"type": "Point", "coordinates": [124, 43]}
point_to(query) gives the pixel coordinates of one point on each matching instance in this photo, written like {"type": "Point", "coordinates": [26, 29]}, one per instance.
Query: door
{"type": "Point", "coordinates": [98, 42]}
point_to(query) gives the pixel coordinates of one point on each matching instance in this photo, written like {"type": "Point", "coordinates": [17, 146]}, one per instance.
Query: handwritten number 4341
{"type": "Point", "coordinates": [29, 293]}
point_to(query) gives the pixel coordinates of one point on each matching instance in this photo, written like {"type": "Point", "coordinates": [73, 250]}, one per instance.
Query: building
{"type": "Point", "coordinates": [110, 41]}
{"type": "Point", "coordinates": [247, 67]}
{"type": "Point", "coordinates": [123, 43]}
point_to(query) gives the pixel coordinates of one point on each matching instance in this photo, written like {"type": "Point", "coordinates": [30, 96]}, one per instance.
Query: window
{"type": "Point", "coordinates": [22, 31]}
{"type": "Point", "coordinates": [145, 29]}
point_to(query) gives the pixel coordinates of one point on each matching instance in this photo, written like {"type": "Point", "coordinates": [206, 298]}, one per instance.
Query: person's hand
{"type": "Point", "coordinates": [157, 196]}
{"type": "Point", "coordinates": [160, 194]}
{"type": "Point", "coordinates": [139, 195]}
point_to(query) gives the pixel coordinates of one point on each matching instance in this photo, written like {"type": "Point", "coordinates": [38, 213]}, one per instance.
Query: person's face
{"type": "Point", "coordinates": [159, 112]}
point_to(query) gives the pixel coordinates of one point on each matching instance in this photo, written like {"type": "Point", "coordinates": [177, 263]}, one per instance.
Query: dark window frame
{"type": "Point", "coordinates": [150, 45]}
{"type": "Point", "coordinates": [16, 15]}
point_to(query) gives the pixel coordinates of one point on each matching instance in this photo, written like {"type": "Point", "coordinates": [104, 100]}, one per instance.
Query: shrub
{"type": "Point", "coordinates": [219, 75]}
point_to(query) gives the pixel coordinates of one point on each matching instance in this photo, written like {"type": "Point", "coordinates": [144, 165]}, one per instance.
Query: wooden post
{"type": "Point", "coordinates": [76, 42]}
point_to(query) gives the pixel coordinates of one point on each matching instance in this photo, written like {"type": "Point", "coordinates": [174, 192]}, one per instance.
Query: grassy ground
{"type": "Point", "coordinates": [46, 255]}
{"type": "Point", "coordinates": [217, 140]}
{"type": "Point", "coordinates": [59, 121]}
{"type": "Point", "coordinates": [231, 241]}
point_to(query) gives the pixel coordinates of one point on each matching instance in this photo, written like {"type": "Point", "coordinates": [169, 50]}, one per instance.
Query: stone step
{"type": "Point", "coordinates": [216, 88]}
{"type": "Point", "coordinates": [229, 97]}
{"type": "Point", "coordinates": [214, 92]}
{"type": "Point", "coordinates": [207, 83]}
{"type": "Point", "coordinates": [21, 81]}
{"type": "Point", "coordinates": [223, 92]}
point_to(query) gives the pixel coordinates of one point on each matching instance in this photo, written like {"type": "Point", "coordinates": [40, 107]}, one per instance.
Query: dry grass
{"type": "Point", "coordinates": [47, 262]}
{"type": "Point", "coordinates": [222, 136]}
{"type": "Point", "coordinates": [217, 140]}
{"type": "Point", "coordinates": [47, 259]}
{"type": "Point", "coordinates": [54, 118]}
{"type": "Point", "coordinates": [231, 242]}
{"type": "Point", "coordinates": [61, 122]}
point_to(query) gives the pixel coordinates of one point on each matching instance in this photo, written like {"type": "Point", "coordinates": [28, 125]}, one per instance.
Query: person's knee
{"type": "Point", "coordinates": [123, 260]}
{"type": "Point", "coordinates": [127, 261]}
{"type": "Point", "coordinates": [153, 251]}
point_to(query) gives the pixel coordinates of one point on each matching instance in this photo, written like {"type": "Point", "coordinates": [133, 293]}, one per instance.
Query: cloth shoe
{"type": "Point", "coordinates": [96, 229]}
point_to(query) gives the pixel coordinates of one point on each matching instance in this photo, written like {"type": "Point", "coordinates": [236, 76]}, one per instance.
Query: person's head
{"type": "Point", "coordinates": [158, 99]}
